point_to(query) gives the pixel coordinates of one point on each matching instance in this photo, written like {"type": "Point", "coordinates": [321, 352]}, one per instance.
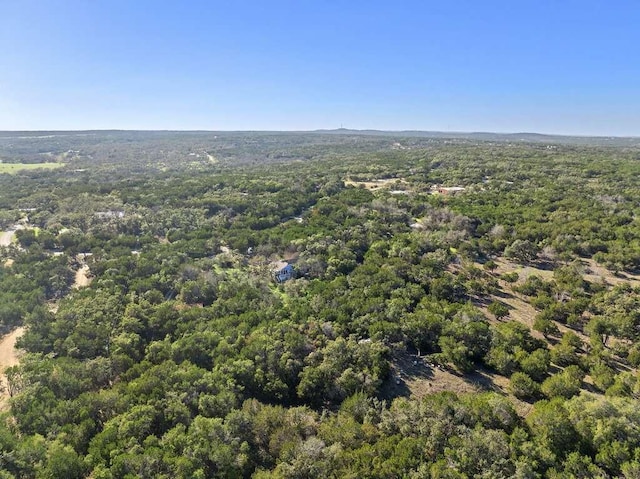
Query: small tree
{"type": "Point", "coordinates": [522, 251]}
{"type": "Point", "coordinates": [602, 375]}
{"type": "Point", "coordinates": [455, 353]}
{"type": "Point", "coordinates": [523, 387]}
{"type": "Point", "coordinates": [536, 364]}
{"type": "Point", "coordinates": [510, 277]}
{"type": "Point", "coordinates": [490, 266]}
{"type": "Point", "coordinates": [545, 326]}
{"type": "Point", "coordinates": [565, 384]}
{"type": "Point", "coordinates": [498, 309]}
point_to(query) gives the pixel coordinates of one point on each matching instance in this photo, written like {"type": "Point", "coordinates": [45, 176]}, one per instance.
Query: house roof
{"type": "Point", "coordinates": [279, 265]}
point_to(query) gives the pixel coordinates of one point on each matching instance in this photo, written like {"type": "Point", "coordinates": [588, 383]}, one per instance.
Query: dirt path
{"type": "Point", "coordinates": [82, 277]}
{"type": "Point", "coordinates": [9, 356]}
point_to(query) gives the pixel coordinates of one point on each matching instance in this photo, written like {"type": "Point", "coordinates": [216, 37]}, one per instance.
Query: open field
{"type": "Point", "coordinates": [12, 168]}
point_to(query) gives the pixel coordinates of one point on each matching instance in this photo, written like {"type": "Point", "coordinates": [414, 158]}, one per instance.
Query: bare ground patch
{"type": "Point", "coordinates": [374, 185]}
{"type": "Point", "coordinates": [82, 278]}
{"type": "Point", "coordinates": [597, 274]}
{"type": "Point", "coordinates": [414, 376]}
{"type": "Point", "coordinates": [506, 266]}
{"type": "Point", "coordinates": [6, 237]}
{"type": "Point", "coordinates": [9, 356]}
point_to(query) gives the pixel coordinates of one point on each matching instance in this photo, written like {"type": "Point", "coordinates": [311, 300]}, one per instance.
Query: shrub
{"type": "Point", "coordinates": [523, 387]}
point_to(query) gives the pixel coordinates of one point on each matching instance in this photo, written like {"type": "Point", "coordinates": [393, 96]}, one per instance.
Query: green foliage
{"type": "Point", "coordinates": [551, 425]}
{"type": "Point", "coordinates": [533, 286]}
{"type": "Point", "coordinates": [565, 353]}
{"type": "Point", "coordinates": [545, 326]}
{"type": "Point", "coordinates": [535, 364]}
{"type": "Point", "coordinates": [498, 309]}
{"type": "Point", "coordinates": [523, 387]}
{"type": "Point", "coordinates": [511, 277]}
{"type": "Point", "coordinates": [510, 341]}
{"type": "Point", "coordinates": [184, 359]}
{"type": "Point", "coordinates": [341, 369]}
{"type": "Point", "coordinates": [602, 375]}
{"type": "Point", "coordinates": [565, 384]}
{"type": "Point", "coordinates": [522, 251]}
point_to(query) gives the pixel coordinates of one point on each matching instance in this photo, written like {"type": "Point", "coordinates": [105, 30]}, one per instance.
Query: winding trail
{"type": "Point", "coordinates": [9, 356]}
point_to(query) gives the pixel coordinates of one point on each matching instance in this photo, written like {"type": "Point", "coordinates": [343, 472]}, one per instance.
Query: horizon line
{"type": "Point", "coordinates": [322, 130]}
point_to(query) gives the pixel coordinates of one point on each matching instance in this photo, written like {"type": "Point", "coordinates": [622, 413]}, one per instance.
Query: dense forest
{"type": "Point", "coordinates": [459, 308]}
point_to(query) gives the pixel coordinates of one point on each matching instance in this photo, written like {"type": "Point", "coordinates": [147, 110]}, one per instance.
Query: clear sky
{"type": "Point", "coordinates": [557, 66]}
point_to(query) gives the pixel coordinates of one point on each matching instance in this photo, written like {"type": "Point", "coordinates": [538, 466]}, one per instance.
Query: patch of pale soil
{"type": "Point", "coordinates": [82, 277]}
{"type": "Point", "coordinates": [523, 312]}
{"type": "Point", "coordinates": [6, 237]}
{"type": "Point", "coordinates": [519, 309]}
{"type": "Point", "coordinates": [9, 356]}
{"type": "Point", "coordinates": [595, 273]}
{"type": "Point", "coordinates": [374, 184]}
{"type": "Point", "coordinates": [8, 263]}
{"type": "Point", "coordinates": [413, 376]}
{"type": "Point", "coordinates": [598, 274]}
{"type": "Point", "coordinates": [506, 266]}
{"type": "Point", "coordinates": [421, 377]}
{"type": "Point", "coordinates": [441, 380]}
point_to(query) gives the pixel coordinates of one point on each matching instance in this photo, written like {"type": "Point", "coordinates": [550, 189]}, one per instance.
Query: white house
{"type": "Point", "coordinates": [282, 271]}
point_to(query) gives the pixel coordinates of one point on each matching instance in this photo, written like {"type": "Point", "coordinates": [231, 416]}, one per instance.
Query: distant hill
{"type": "Point", "coordinates": [499, 137]}
{"type": "Point", "coordinates": [22, 143]}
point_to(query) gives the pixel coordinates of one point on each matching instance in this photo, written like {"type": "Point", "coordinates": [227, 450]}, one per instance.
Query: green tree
{"type": "Point", "coordinates": [522, 251]}
{"type": "Point", "coordinates": [498, 309]}
{"type": "Point", "coordinates": [565, 384]}
{"type": "Point", "coordinates": [523, 387]}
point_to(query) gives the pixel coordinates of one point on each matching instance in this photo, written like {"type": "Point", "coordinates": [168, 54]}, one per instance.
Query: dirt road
{"type": "Point", "coordinates": [8, 353]}
{"type": "Point", "coordinates": [9, 356]}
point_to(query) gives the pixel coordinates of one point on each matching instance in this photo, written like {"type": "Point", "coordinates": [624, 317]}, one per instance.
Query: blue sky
{"type": "Point", "coordinates": [559, 66]}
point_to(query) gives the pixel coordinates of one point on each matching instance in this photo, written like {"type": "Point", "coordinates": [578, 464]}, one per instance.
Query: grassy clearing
{"type": "Point", "coordinates": [13, 168]}
{"type": "Point", "coordinates": [413, 376]}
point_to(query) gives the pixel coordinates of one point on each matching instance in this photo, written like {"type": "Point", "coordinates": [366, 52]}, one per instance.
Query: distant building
{"type": "Point", "coordinates": [282, 271]}
{"type": "Point", "coordinates": [110, 214]}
